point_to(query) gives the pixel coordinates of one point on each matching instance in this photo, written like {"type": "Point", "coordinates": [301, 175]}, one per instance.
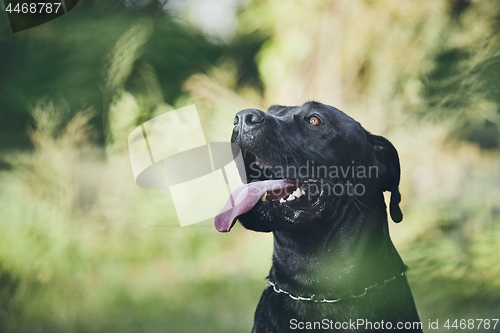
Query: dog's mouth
{"type": "Point", "coordinates": [274, 188]}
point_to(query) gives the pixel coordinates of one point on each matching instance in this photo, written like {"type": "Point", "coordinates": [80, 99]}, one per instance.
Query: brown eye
{"type": "Point", "coordinates": [315, 121]}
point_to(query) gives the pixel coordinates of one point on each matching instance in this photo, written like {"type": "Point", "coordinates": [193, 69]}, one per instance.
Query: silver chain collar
{"type": "Point", "coordinates": [313, 299]}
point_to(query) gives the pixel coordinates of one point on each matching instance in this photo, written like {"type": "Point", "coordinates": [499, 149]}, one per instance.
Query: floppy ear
{"type": "Point", "coordinates": [389, 172]}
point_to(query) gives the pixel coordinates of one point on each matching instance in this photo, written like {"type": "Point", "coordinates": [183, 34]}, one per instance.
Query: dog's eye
{"type": "Point", "coordinates": [315, 121]}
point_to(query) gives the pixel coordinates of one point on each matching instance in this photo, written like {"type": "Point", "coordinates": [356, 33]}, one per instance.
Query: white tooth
{"type": "Point", "coordinates": [282, 200]}
{"type": "Point", "coordinates": [298, 193]}
{"type": "Point", "coordinates": [302, 192]}
{"type": "Point", "coordinates": [263, 197]}
{"type": "Point", "coordinates": [260, 164]}
{"type": "Point", "coordinates": [290, 197]}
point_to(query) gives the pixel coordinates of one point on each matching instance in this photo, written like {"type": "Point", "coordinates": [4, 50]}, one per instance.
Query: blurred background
{"type": "Point", "coordinates": [83, 249]}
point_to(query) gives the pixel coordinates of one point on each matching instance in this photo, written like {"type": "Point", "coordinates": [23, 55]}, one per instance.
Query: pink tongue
{"type": "Point", "coordinates": [243, 199]}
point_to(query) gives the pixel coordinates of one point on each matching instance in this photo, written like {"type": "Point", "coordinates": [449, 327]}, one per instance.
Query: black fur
{"type": "Point", "coordinates": [330, 245]}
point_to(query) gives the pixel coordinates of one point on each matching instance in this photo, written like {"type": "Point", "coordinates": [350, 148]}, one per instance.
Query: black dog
{"type": "Point", "coordinates": [315, 179]}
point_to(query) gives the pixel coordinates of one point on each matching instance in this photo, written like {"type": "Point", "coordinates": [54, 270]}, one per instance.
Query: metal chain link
{"type": "Point", "coordinates": [313, 299]}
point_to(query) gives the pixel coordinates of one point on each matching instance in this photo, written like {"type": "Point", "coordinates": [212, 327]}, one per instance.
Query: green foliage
{"type": "Point", "coordinates": [118, 264]}
{"type": "Point", "coordinates": [82, 249]}
{"type": "Point", "coordinates": [84, 58]}
{"type": "Point", "coordinates": [463, 85]}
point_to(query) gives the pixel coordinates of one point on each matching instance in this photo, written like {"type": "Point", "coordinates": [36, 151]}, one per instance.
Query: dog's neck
{"type": "Point", "coordinates": [349, 255]}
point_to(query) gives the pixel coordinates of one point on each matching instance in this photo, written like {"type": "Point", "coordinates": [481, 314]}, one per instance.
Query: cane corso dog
{"type": "Point", "coordinates": [315, 179]}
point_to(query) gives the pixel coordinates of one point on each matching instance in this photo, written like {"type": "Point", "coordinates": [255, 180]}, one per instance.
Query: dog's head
{"type": "Point", "coordinates": [299, 160]}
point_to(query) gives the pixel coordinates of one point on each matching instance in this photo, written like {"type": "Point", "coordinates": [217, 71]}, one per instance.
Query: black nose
{"type": "Point", "coordinates": [249, 118]}
{"type": "Point", "coordinates": [248, 124]}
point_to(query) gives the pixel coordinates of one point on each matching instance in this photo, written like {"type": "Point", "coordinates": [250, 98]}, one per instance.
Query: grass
{"type": "Point", "coordinates": [88, 251]}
